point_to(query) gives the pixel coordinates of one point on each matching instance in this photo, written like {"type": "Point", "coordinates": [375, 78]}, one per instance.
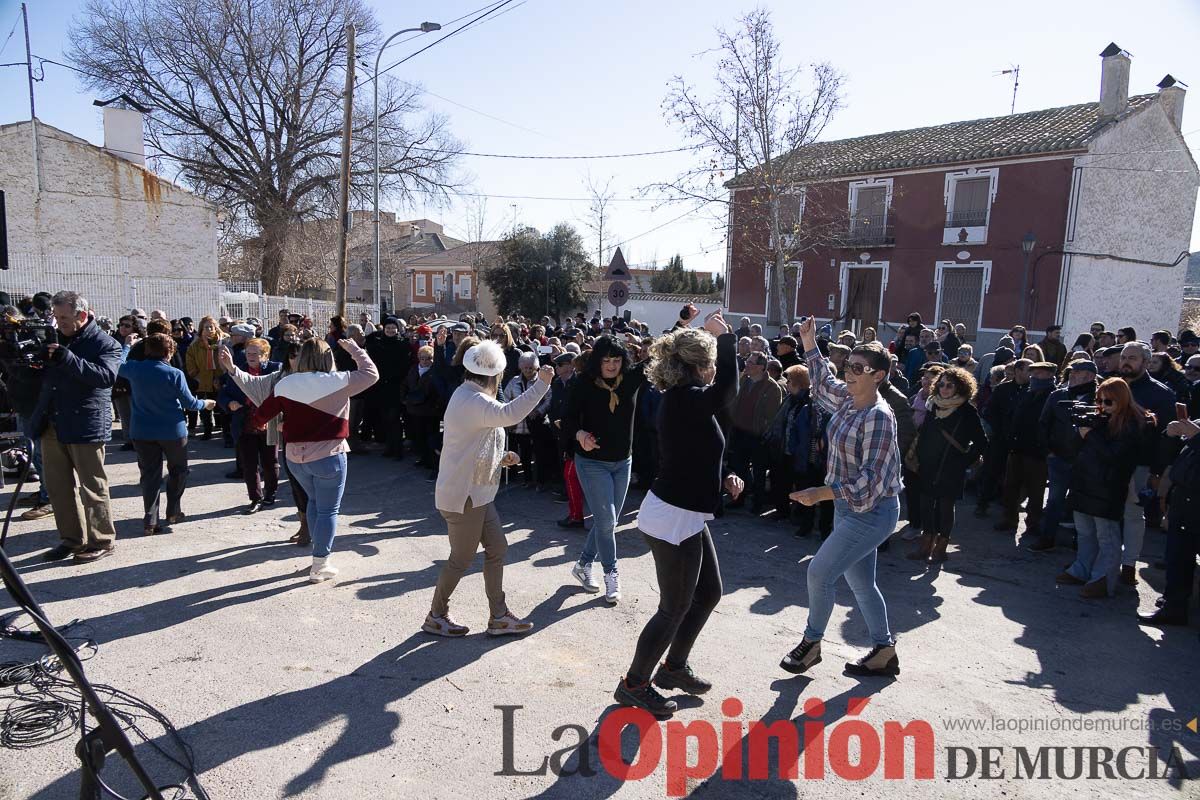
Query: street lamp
{"type": "Point", "coordinates": [1027, 245]}
{"type": "Point", "coordinates": [426, 27]}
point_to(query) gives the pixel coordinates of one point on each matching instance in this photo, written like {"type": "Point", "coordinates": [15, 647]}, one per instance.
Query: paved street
{"type": "Point", "coordinates": [285, 689]}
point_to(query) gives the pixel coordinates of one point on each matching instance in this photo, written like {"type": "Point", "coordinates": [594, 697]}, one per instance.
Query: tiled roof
{"type": "Point", "coordinates": [1051, 130]}
{"type": "Point", "coordinates": [465, 255]}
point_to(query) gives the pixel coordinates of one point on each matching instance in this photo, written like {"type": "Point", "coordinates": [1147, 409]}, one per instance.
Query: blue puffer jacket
{"type": "Point", "coordinates": [76, 394]}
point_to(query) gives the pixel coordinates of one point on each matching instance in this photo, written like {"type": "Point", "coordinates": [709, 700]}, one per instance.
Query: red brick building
{"type": "Point", "coordinates": [932, 220]}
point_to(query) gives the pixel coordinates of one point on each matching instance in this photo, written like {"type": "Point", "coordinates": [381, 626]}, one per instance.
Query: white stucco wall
{"type": "Point", "coordinates": [659, 315]}
{"type": "Point", "coordinates": [94, 204]}
{"type": "Point", "coordinates": [1136, 198]}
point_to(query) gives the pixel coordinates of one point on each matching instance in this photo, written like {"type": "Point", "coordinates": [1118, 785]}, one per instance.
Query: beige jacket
{"type": "Point", "coordinates": [473, 444]}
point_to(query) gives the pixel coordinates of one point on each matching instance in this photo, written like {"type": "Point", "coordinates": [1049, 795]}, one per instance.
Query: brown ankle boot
{"type": "Point", "coordinates": [923, 549]}
{"type": "Point", "coordinates": [1095, 589]}
{"type": "Point", "coordinates": [939, 549]}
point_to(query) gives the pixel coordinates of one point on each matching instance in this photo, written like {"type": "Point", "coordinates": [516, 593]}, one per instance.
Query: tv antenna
{"type": "Point", "coordinates": [1015, 71]}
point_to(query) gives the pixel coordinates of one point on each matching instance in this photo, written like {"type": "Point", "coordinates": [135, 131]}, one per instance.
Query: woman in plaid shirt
{"type": "Point", "coordinates": [863, 481]}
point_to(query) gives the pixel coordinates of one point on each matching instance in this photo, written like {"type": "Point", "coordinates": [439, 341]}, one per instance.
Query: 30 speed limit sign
{"type": "Point", "coordinates": [618, 293]}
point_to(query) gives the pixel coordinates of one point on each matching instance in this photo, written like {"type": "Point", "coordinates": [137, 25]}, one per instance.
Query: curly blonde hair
{"type": "Point", "coordinates": [676, 357]}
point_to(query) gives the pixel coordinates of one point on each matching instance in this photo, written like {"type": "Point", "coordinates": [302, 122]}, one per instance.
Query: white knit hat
{"type": "Point", "coordinates": [485, 358]}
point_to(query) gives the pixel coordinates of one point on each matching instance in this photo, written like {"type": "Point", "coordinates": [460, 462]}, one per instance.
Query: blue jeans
{"type": "Point", "coordinates": [850, 551]}
{"type": "Point", "coordinates": [323, 481]}
{"type": "Point", "coordinates": [1099, 553]}
{"type": "Point", "coordinates": [604, 486]}
{"type": "Point", "coordinates": [1058, 471]}
{"type": "Point", "coordinates": [34, 445]}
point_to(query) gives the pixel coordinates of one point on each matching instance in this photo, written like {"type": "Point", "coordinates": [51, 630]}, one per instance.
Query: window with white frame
{"type": "Point", "coordinates": [437, 284]}
{"type": "Point", "coordinates": [791, 210]}
{"type": "Point", "coordinates": [870, 202]}
{"type": "Point", "coordinates": [969, 196]}
{"type": "Point", "coordinates": [464, 287]}
{"type": "Point", "coordinates": [420, 284]}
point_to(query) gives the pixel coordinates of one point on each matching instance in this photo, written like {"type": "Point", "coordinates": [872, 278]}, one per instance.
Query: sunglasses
{"type": "Point", "coordinates": [1104, 401]}
{"type": "Point", "coordinates": [944, 385]}
{"type": "Point", "coordinates": [860, 369]}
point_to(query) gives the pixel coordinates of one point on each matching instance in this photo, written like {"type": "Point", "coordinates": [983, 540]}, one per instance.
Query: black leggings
{"type": "Point", "coordinates": [689, 585]}
{"type": "Point", "coordinates": [937, 514]}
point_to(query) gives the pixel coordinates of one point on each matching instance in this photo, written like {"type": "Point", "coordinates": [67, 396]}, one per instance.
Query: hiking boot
{"type": "Point", "coordinates": [321, 570]}
{"type": "Point", "coordinates": [38, 511]}
{"type": "Point", "coordinates": [923, 549]}
{"type": "Point", "coordinates": [1094, 590]}
{"type": "Point", "coordinates": [583, 574]}
{"type": "Point", "coordinates": [612, 588]}
{"type": "Point", "coordinates": [803, 656]}
{"type": "Point", "coordinates": [444, 626]}
{"type": "Point", "coordinates": [646, 698]}
{"type": "Point", "coordinates": [508, 624]}
{"type": "Point", "coordinates": [683, 679]}
{"type": "Point", "coordinates": [90, 554]}
{"type": "Point", "coordinates": [881, 661]}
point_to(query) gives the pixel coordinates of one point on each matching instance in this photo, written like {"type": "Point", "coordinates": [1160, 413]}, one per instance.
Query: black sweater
{"type": "Point", "coordinates": [690, 441]}
{"type": "Point", "coordinates": [587, 410]}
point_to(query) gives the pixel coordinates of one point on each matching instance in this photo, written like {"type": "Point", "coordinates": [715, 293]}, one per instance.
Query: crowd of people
{"type": "Point", "coordinates": [833, 435]}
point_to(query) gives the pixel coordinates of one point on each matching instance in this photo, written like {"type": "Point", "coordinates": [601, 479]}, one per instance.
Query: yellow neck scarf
{"type": "Point", "coordinates": [613, 398]}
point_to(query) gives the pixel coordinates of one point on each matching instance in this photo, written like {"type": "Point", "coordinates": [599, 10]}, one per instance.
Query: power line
{"type": "Point", "coordinates": [493, 9]}
{"type": "Point", "coordinates": [485, 114]}
{"type": "Point", "coordinates": [561, 158]}
{"type": "Point", "coordinates": [9, 38]}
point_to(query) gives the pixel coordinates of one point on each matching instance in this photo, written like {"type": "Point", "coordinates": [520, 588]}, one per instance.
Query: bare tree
{"type": "Point", "coordinates": [597, 218]}
{"type": "Point", "coordinates": [247, 101]}
{"type": "Point", "coordinates": [760, 117]}
{"type": "Point", "coordinates": [475, 213]}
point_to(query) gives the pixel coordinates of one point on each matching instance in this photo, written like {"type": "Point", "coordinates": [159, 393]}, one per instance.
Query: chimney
{"type": "Point", "coordinates": [123, 134]}
{"type": "Point", "coordinates": [1114, 81]}
{"type": "Point", "coordinates": [1171, 93]}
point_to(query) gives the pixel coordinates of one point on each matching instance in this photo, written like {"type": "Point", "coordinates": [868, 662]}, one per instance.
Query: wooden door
{"type": "Point", "coordinates": [863, 290]}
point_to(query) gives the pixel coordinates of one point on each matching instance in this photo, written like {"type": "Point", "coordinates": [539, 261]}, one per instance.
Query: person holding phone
{"type": "Point", "coordinates": [863, 481]}
{"type": "Point", "coordinates": [696, 371]}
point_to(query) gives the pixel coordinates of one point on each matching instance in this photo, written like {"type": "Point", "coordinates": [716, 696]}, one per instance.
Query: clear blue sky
{"type": "Point", "coordinates": [589, 77]}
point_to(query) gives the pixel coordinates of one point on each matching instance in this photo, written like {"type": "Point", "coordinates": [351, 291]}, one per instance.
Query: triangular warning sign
{"type": "Point", "coordinates": [617, 271]}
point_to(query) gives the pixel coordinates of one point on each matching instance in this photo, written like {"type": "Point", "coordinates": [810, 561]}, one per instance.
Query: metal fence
{"type": "Point", "coordinates": [106, 283]}
{"type": "Point", "coordinates": [110, 289]}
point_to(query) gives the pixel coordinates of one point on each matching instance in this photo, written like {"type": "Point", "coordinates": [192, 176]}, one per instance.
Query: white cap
{"type": "Point", "coordinates": [485, 358]}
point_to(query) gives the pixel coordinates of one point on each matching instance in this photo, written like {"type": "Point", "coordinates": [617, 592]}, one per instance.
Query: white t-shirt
{"type": "Point", "coordinates": [667, 522]}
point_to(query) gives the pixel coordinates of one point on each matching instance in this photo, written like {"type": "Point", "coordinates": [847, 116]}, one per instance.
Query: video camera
{"type": "Point", "coordinates": [1083, 414]}
{"type": "Point", "coordinates": [25, 339]}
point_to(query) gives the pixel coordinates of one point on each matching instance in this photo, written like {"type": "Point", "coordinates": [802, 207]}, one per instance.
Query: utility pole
{"type": "Point", "coordinates": [344, 188]}
{"type": "Point", "coordinates": [37, 173]}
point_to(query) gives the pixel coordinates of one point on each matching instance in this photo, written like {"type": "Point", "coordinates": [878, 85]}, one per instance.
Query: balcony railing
{"type": "Point", "coordinates": [967, 219]}
{"type": "Point", "coordinates": [870, 231]}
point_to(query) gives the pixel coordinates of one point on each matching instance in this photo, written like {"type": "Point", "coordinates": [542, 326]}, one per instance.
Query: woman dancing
{"type": "Point", "coordinates": [863, 481]}
{"type": "Point", "coordinates": [697, 375]}
{"type": "Point", "coordinates": [468, 477]}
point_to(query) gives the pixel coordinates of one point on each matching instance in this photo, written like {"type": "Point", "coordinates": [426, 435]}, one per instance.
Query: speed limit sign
{"type": "Point", "coordinates": [618, 293]}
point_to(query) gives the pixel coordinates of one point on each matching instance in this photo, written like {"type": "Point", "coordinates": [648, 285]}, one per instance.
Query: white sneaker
{"type": "Point", "coordinates": [612, 588]}
{"type": "Point", "coordinates": [321, 570]}
{"type": "Point", "coordinates": [584, 576]}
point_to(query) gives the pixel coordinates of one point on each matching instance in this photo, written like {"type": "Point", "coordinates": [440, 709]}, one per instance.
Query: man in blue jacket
{"type": "Point", "coordinates": [74, 419]}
